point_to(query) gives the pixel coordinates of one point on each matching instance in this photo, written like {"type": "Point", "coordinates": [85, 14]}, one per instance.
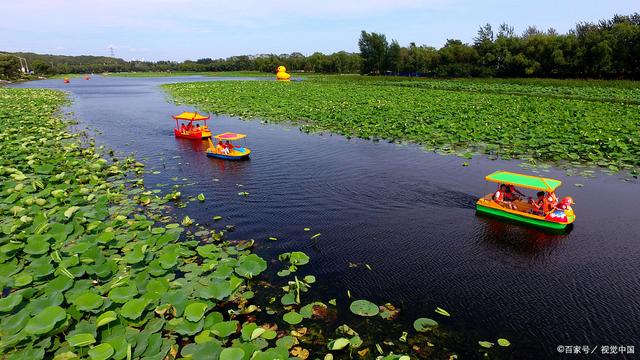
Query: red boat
{"type": "Point", "coordinates": [189, 131]}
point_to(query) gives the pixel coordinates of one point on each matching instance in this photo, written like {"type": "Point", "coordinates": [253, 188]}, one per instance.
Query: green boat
{"type": "Point", "coordinates": [558, 218]}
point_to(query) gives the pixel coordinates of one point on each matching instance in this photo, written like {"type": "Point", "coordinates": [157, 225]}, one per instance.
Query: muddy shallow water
{"type": "Point", "coordinates": [407, 213]}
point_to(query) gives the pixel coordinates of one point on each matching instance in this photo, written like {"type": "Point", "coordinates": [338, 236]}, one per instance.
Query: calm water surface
{"type": "Point", "coordinates": [408, 213]}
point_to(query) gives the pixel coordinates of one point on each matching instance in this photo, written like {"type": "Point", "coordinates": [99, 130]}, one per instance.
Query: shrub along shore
{"type": "Point", "coordinates": [93, 265]}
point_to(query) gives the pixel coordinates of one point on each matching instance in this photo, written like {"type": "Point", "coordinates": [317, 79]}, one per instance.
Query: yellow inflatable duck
{"type": "Point", "coordinates": [282, 74]}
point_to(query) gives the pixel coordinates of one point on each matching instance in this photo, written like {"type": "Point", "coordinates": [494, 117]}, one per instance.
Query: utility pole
{"type": "Point", "coordinates": [113, 54]}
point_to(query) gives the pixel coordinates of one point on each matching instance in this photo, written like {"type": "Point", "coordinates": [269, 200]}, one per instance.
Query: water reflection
{"type": "Point", "coordinates": [518, 240]}
{"type": "Point", "coordinates": [186, 145]}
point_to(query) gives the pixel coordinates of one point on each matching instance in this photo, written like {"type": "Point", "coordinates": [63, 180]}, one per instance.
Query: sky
{"type": "Point", "coordinates": [192, 29]}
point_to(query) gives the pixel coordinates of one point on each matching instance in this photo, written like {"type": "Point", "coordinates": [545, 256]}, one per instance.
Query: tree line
{"type": "Point", "coordinates": [607, 49]}
{"type": "Point", "coordinates": [341, 62]}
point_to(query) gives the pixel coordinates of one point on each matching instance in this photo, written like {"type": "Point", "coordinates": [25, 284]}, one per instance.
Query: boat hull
{"type": "Point", "coordinates": [239, 154]}
{"type": "Point", "coordinates": [522, 219]}
{"type": "Point", "coordinates": [193, 135]}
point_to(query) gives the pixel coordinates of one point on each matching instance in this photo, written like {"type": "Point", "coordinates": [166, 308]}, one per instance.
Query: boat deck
{"type": "Point", "coordinates": [522, 205]}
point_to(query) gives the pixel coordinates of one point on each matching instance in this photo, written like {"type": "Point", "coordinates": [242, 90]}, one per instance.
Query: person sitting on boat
{"type": "Point", "coordinates": [551, 201]}
{"type": "Point", "coordinates": [499, 197]}
{"type": "Point", "coordinates": [538, 204]}
{"type": "Point", "coordinates": [183, 129]}
{"type": "Point", "coordinates": [221, 148]}
{"type": "Point", "coordinates": [512, 194]}
{"type": "Point", "coordinates": [197, 129]}
{"type": "Point", "coordinates": [229, 145]}
{"type": "Point", "coordinates": [190, 127]}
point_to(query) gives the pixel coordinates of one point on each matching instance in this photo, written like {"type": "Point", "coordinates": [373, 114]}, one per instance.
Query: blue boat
{"type": "Point", "coordinates": [230, 151]}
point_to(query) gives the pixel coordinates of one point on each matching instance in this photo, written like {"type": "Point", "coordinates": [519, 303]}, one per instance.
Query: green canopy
{"type": "Point", "coordinates": [525, 181]}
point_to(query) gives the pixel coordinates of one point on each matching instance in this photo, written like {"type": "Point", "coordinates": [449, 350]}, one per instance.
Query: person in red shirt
{"type": "Point", "coordinates": [221, 148]}
{"type": "Point", "coordinates": [512, 194]}
{"type": "Point", "coordinates": [499, 197]}
{"type": "Point", "coordinates": [538, 204]}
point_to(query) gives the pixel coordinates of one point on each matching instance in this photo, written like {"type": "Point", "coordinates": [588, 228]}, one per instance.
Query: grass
{"type": "Point", "coordinates": [568, 121]}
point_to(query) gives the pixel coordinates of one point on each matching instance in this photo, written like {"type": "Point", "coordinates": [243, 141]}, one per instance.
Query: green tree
{"type": "Point", "coordinates": [41, 67]}
{"type": "Point", "coordinates": [393, 57]}
{"type": "Point", "coordinates": [373, 50]}
{"type": "Point", "coordinates": [457, 59]}
{"type": "Point", "coordinates": [9, 67]}
{"type": "Point", "coordinates": [484, 45]}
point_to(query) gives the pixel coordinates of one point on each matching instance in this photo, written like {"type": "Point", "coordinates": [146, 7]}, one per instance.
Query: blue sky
{"type": "Point", "coordinates": [192, 29]}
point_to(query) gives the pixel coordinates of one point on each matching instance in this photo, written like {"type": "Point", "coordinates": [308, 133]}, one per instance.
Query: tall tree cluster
{"type": "Point", "coordinates": [9, 67]}
{"type": "Point", "coordinates": [607, 49]}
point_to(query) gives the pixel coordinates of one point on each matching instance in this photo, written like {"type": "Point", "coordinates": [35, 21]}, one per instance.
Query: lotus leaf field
{"type": "Point", "coordinates": [572, 123]}
{"type": "Point", "coordinates": [95, 266]}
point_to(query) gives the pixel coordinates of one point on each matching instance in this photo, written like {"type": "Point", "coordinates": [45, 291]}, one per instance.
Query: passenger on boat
{"type": "Point", "coordinates": [197, 129]}
{"type": "Point", "coordinates": [538, 204]}
{"type": "Point", "coordinates": [551, 201]}
{"type": "Point", "coordinates": [183, 128]}
{"type": "Point", "coordinates": [190, 127]}
{"type": "Point", "coordinates": [221, 148]}
{"type": "Point", "coordinates": [229, 145]}
{"type": "Point", "coordinates": [512, 194]}
{"type": "Point", "coordinates": [499, 197]}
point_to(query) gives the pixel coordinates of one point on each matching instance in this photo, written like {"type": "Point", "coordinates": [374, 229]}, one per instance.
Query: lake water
{"type": "Point", "coordinates": [407, 213]}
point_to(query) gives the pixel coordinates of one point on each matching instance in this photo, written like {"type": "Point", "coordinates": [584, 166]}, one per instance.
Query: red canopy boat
{"type": "Point", "coordinates": [190, 131]}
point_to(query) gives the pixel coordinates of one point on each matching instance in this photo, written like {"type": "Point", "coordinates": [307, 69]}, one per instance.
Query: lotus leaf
{"type": "Point", "coordinates": [36, 247]}
{"type": "Point", "coordinates": [123, 294]}
{"type": "Point", "coordinates": [106, 317]}
{"type": "Point", "coordinates": [22, 279]}
{"type": "Point", "coordinates": [232, 354]}
{"type": "Point", "coordinates": [133, 308]}
{"type": "Point", "coordinates": [224, 328]}
{"type": "Point", "coordinates": [195, 311]}
{"type": "Point", "coordinates": [338, 344]}
{"type": "Point", "coordinates": [298, 258]}
{"type": "Point", "coordinates": [206, 351]}
{"type": "Point", "coordinates": [218, 289]}
{"type": "Point", "coordinates": [364, 308]}
{"type": "Point", "coordinates": [251, 266]}
{"type": "Point", "coordinates": [80, 340]}
{"type": "Point", "coordinates": [292, 317]}
{"type": "Point", "coordinates": [286, 342]}
{"type": "Point", "coordinates": [88, 301]}
{"type": "Point", "coordinates": [101, 352]}
{"type": "Point", "coordinates": [424, 324]}
{"type": "Point", "coordinates": [45, 320]}
{"type": "Point", "coordinates": [9, 302]}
